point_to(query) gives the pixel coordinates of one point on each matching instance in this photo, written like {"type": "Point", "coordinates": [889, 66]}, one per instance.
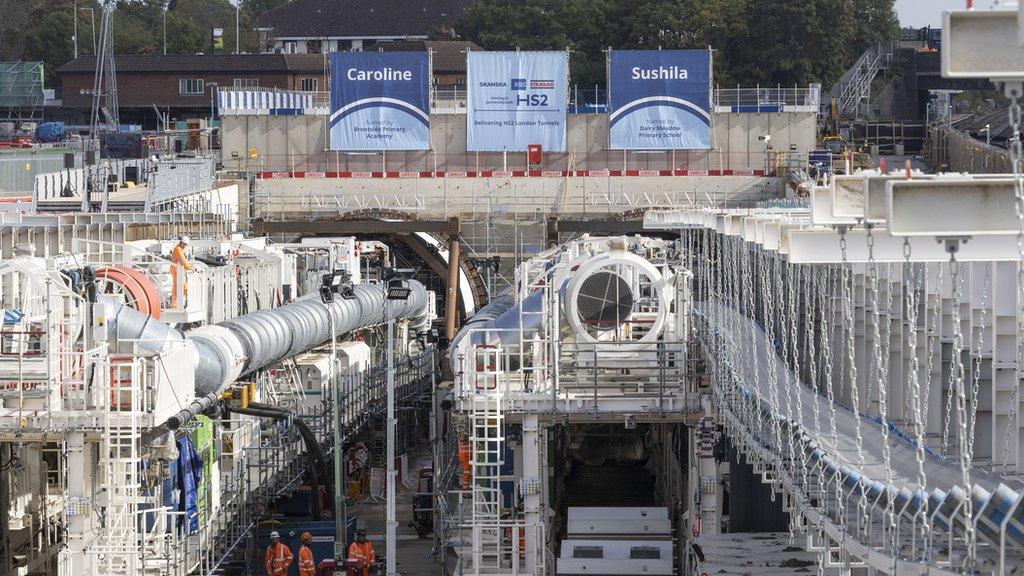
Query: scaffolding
{"type": "Point", "coordinates": [21, 91]}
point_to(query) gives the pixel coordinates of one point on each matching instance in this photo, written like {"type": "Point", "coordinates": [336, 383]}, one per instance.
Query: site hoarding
{"type": "Point", "coordinates": [660, 99]}
{"type": "Point", "coordinates": [380, 101]}
{"type": "Point", "coordinates": [516, 99]}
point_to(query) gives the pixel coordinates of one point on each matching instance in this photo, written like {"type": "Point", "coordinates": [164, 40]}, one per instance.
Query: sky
{"type": "Point", "coordinates": [920, 13]}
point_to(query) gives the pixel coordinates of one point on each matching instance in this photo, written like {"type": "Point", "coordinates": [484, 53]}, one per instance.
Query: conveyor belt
{"type": "Point", "coordinates": [943, 476]}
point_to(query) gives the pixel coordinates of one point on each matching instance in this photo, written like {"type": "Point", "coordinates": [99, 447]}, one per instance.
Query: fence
{"type": "Point", "coordinates": [426, 164]}
{"type": "Point", "coordinates": [19, 168]}
{"type": "Point", "coordinates": [956, 151]}
{"type": "Point", "coordinates": [71, 184]}
{"type": "Point", "coordinates": [582, 100]}
{"type": "Point", "coordinates": [178, 178]}
{"type": "Point", "coordinates": [767, 99]}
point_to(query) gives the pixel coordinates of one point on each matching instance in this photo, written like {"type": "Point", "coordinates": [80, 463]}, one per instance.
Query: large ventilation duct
{"type": "Point", "coordinates": [593, 294]}
{"type": "Point", "coordinates": [245, 344]}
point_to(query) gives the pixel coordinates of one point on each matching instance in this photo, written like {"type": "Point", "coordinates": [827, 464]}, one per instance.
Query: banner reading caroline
{"type": "Point", "coordinates": [516, 99]}
{"type": "Point", "coordinates": [380, 101]}
{"type": "Point", "coordinates": [660, 99]}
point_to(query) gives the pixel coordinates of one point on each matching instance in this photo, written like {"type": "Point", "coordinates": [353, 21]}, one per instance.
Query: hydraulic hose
{"type": "Point", "coordinates": [318, 466]}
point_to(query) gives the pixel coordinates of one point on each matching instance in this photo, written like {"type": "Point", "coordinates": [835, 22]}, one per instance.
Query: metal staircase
{"type": "Point", "coordinates": [854, 86]}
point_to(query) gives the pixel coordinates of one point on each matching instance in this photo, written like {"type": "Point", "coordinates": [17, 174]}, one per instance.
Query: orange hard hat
{"type": "Point", "coordinates": [306, 536]}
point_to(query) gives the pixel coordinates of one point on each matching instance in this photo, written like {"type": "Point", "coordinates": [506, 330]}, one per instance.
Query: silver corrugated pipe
{"type": "Point", "coordinates": [242, 345]}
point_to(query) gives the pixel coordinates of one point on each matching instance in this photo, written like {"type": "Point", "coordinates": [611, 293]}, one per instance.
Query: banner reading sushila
{"type": "Point", "coordinates": [660, 99]}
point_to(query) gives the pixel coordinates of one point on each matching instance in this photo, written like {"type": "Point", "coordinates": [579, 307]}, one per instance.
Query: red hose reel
{"type": "Point", "coordinates": [138, 290]}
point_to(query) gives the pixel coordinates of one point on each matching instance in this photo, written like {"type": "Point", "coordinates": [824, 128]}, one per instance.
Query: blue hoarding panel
{"type": "Point", "coordinates": [660, 100]}
{"type": "Point", "coordinates": [380, 101]}
{"type": "Point", "coordinates": [516, 99]}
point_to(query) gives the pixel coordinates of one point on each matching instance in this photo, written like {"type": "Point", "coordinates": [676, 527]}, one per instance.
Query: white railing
{"type": "Point", "coordinates": [768, 97]}
{"type": "Point", "coordinates": [179, 178]}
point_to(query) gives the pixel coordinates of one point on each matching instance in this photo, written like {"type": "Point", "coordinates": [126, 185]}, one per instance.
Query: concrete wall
{"type": "Point", "coordinates": [955, 151]}
{"type": "Point", "coordinates": [298, 143]}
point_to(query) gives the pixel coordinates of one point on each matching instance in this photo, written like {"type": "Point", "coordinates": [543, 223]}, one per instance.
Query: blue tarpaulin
{"type": "Point", "coordinates": [190, 473]}
{"type": "Point", "coordinates": [12, 317]}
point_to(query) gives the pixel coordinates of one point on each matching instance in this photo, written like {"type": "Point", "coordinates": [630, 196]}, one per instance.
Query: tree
{"type": "Point", "coordinates": [876, 22]}
{"type": "Point", "coordinates": [12, 27]}
{"type": "Point", "coordinates": [765, 42]}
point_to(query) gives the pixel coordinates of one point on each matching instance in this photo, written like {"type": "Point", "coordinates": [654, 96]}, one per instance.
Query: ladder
{"type": "Point", "coordinates": [121, 544]}
{"type": "Point", "coordinates": [487, 441]}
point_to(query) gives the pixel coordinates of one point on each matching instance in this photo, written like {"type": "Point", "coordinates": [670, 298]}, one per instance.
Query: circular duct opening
{"type": "Point", "coordinates": [605, 300]}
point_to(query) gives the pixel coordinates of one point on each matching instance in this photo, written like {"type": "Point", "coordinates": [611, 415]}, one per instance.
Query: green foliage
{"type": "Point", "coordinates": [755, 41]}
{"type": "Point", "coordinates": [43, 29]}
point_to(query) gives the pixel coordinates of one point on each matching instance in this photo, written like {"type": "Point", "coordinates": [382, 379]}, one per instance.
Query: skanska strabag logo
{"type": "Point", "coordinates": [518, 83]}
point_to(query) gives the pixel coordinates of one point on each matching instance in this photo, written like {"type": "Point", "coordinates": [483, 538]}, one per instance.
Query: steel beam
{"type": "Point", "coordinates": [952, 207]}
{"type": "Point", "coordinates": [821, 207]}
{"type": "Point", "coordinates": [877, 196]}
{"type": "Point", "coordinates": [821, 246]}
{"type": "Point", "coordinates": [603, 227]}
{"type": "Point", "coordinates": [848, 192]}
{"type": "Point", "coordinates": [982, 44]}
{"type": "Point", "coordinates": [355, 226]}
{"type": "Point", "coordinates": [452, 296]}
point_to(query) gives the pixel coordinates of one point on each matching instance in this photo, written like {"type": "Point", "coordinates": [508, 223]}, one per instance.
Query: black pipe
{"type": "Point", "coordinates": [307, 434]}
{"type": "Point", "coordinates": [198, 406]}
{"type": "Point", "coordinates": [317, 463]}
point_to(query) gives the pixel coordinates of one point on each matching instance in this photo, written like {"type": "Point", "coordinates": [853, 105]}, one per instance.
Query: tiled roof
{"type": "Point", "coordinates": [449, 55]}
{"type": "Point", "coordinates": [252, 63]}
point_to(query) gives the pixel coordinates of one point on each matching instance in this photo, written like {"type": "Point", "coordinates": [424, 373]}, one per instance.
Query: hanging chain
{"type": "Point", "coordinates": [978, 351]}
{"type": "Point", "coordinates": [849, 328]}
{"type": "Point", "coordinates": [1016, 155]}
{"type": "Point", "coordinates": [933, 335]}
{"type": "Point", "coordinates": [958, 376]}
{"type": "Point", "coordinates": [912, 287]}
{"type": "Point", "coordinates": [957, 288]}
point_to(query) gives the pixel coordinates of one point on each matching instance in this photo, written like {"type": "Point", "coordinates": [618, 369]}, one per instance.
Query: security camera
{"type": "Point", "coordinates": [765, 138]}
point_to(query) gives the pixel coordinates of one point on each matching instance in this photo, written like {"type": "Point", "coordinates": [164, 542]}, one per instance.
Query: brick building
{"type": "Point", "coordinates": [180, 85]}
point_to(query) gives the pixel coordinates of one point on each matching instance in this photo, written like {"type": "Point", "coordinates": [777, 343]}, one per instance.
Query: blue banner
{"type": "Point", "coordinates": [660, 100]}
{"type": "Point", "coordinates": [380, 101]}
{"type": "Point", "coordinates": [516, 99]}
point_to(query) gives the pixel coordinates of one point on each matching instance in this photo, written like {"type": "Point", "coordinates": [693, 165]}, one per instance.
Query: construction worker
{"type": "Point", "coordinates": [465, 458]}
{"type": "Point", "coordinates": [178, 260]}
{"type": "Point", "coordinates": [307, 564]}
{"type": "Point", "coordinates": [279, 557]}
{"type": "Point", "coordinates": [362, 551]}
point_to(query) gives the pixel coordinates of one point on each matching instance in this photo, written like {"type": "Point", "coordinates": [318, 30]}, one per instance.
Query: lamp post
{"type": "Point", "coordinates": [337, 282]}
{"type": "Point", "coordinates": [164, 19]}
{"type": "Point", "coordinates": [396, 290]}
{"type": "Point", "coordinates": [238, 4]}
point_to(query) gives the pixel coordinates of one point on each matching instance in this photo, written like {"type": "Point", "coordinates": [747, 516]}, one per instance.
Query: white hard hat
{"type": "Point", "coordinates": [274, 534]}
{"type": "Point", "coordinates": [183, 239]}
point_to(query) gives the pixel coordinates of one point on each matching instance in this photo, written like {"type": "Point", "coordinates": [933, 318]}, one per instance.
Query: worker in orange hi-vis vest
{"type": "Point", "coordinates": [178, 260]}
{"type": "Point", "coordinates": [465, 456]}
{"type": "Point", "coordinates": [362, 552]}
{"type": "Point", "coordinates": [279, 557]}
{"type": "Point", "coordinates": [307, 564]}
